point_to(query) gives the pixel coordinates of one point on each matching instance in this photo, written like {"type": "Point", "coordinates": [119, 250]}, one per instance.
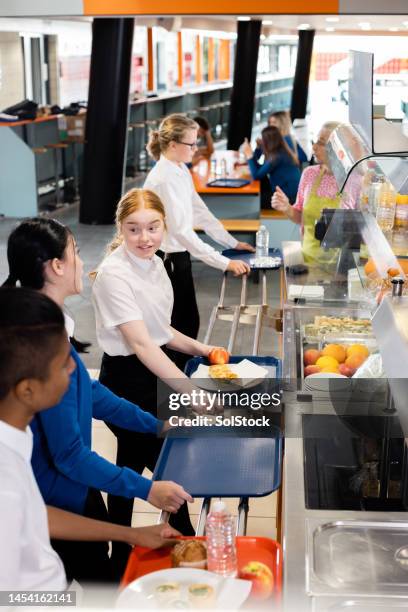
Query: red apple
{"type": "Point", "coordinates": [311, 356]}
{"type": "Point", "coordinates": [346, 370]}
{"type": "Point", "coordinates": [218, 356]}
{"type": "Point", "coordinates": [261, 577]}
{"type": "Point", "coordinates": [312, 369]}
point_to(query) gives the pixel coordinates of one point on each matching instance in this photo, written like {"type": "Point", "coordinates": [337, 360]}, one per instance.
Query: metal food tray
{"type": "Point", "coordinates": [247, 257]}
{"type": "Point", "coordinates": [357, 558]}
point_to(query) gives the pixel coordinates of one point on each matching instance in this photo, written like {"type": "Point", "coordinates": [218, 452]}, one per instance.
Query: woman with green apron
{"type": "Point", "coordinates": [317, 190]}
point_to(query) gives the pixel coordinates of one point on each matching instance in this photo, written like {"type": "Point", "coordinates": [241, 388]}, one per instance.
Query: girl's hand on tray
{"type": "Point", "coordinates": [168, 495]}
{"type": "Point", "coordinates": [244, 246]}
{"type": "Point", "coordinates": [153, 536]}
{"type": "Point", "coordinates": [238, 267]}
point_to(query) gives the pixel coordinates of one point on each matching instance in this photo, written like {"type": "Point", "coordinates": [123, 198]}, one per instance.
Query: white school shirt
{"type": "Point", "coordinates": [185, 210]}
{"type": "Point", "coordinates": [128, 288]}
{"type": "Point", "coordinates": [27, 560]}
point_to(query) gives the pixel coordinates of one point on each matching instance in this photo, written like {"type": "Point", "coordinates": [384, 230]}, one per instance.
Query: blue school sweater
{"type": "Point", "coordinates": [64, 465]}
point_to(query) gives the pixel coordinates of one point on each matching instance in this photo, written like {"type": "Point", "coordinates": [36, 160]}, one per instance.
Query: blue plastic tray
{"type": "Point", "coordinates": [246, 256]}
{"type": "Point", "coordinates": [265, 361]}
{"type": "Point", "coordinates": [219, 466]}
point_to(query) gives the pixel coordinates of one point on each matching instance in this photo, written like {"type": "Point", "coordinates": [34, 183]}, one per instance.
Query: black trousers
{"type": "Point", "coordinates": [88, 562]}
{"type": "Point", "coordinates": [129, 378]}
{"type": "Point", "coordinates": [185, 317]}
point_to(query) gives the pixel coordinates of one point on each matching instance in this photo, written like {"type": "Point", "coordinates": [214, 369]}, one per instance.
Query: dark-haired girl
{"type": "Point", "coordinates": [42, 255]}
{"type": "Point", "coordinates": [280, 163]}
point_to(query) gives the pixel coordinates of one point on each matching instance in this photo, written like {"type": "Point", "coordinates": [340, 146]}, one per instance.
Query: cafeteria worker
{"type": "Point", "coordinates": [317, 190]}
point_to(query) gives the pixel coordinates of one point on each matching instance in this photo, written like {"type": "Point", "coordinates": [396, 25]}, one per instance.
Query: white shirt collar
{"type": "Point", "coordinates": [18, 441]}
{"type": "Point", "coordinates": [145, 264]}
{"type": "Point", "coordinates": [69, 324]}
{"type": "Point", "coordinates": [180, 169]}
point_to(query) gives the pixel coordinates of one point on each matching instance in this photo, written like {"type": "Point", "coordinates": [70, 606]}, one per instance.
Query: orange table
{"type": "Point", "coordinates": [228, 203]}
{"type": "Point", "coordinates": [201, 176]}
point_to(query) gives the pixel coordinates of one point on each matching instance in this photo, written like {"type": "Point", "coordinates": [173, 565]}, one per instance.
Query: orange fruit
{"type": "Point", "coordinates": [311, 356]}
{"type": "Point", "coordinates": [355, 361]}
{"type": "Point", "coordinates": [327, 362]}
{"type": "Point", "coordinates": [335, 350]}
{"type": "Point", "coordinates": [330, 370]}
{"type": "Point", "coordinates": [372, 271]}
{"type": "Point", "coordinates": [358, 349]}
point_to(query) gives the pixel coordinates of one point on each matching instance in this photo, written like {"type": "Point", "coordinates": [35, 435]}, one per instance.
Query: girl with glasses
{"type": "Point", "coordinates": [173, 146]}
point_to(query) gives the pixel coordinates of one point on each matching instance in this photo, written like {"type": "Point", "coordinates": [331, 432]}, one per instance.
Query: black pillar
{"type": "Point", "coordinates": [243, 88]}
{"type": "Point", "coordinates": [302, 73]}
{"type": "Point", "coordinates": [107, 117]}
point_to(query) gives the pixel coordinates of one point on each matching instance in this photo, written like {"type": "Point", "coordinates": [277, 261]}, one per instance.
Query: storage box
{"type": "Point", "coordinates": [72, 127]}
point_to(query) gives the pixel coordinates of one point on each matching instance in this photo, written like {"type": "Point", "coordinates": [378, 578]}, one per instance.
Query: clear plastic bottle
{"type": "Point", "coordinates": [374, 193]}
{"type": "Point", "coordinates": [387, 199]}
{"type": "Point", "coordinates": [262, 242]}
{"type": "Point", "coordinates": [221, 549]}
{"type": "Point", "coordinates": [224, 171]}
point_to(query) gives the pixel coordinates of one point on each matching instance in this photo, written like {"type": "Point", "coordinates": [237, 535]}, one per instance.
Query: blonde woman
{"type": "Point", "coordinates": [133, 300]}
{"type": "Point", "coordinates": [317, 190]}
{"type": "Point", "coordinates": [173, 146]}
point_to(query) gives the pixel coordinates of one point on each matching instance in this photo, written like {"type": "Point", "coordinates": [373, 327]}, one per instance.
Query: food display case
{"type": "Point", "coordinates": [346, 422]}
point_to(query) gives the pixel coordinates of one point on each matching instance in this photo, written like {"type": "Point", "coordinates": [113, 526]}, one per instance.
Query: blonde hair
{"type": "Point", "coordinates": [330, 126]}
{"type": "Point", "coordinates": [172, 128]}
{"type": "Point", "coordinates": [133, 200]}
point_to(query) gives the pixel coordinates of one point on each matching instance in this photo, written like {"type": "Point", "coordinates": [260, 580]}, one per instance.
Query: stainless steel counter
{"type": "Point", "coordinates": [297, 569]}
{"type": "Point", "coordinates": [304, 589]}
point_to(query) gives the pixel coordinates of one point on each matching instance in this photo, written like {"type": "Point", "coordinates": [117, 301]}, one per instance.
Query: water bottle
{"type": "Point", "coordinates": [221, 550]}
{"type": "Point", "coordinates": [224, 167]}
{"type": "Point", "coordinates": [262, 242]}
{"type": "Point", "coordinates": [386, 207]}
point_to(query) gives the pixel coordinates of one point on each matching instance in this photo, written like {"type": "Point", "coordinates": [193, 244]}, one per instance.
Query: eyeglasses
{"type": "Point", "coordinates": [319, 143]}
{"type": "Point", "coordinates": [192, 145]}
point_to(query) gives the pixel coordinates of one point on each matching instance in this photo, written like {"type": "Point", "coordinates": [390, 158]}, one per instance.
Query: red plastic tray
{"type": "Point", "coordinates": [144, 560]}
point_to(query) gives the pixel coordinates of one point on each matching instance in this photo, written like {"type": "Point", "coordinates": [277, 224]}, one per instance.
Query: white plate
{"type": "Point", "coordinates": [230, 593]}
{"type": "Point", "coordinates": [249, 374]}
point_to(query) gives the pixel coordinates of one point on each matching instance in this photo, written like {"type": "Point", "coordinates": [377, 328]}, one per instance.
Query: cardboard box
{"type": "Point", "coordinates": [72, 127]}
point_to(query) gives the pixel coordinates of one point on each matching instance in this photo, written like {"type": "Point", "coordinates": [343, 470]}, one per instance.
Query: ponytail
{"type": "Point", "coordinates": [172, 128]}
{"type": "Point", "coordinates": [153, 146]}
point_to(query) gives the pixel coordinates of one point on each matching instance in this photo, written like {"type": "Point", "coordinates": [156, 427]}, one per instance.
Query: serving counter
{"type": "Point", "coordinates": [345, 526]}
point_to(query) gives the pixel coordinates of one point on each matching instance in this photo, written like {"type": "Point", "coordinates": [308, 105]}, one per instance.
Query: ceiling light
{"type": "Point", "coordinates": [243, 19]}
{"type": "Point", "coordinates": [329, 29]}
{"type": "Point", "coordinates": [303, 26]}
{"type": "Point", "coordinates": [332, 19]}
{"type": "Point", "coordinates": [269, 22]}
{"type": "Point", "coordinates": [263, 36]}
{"type": "Point", "coordinates": [393, 29]}
{"type": "Point", "coordinates": [365, 25]}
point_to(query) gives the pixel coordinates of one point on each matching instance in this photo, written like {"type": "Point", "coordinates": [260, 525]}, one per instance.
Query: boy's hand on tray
{"type": "Point", "coordinates": [238, 267]}
{"type": "Point", "coordinates": [153, 536]}
{"type": "Point", "coordinates": [244, 246]}
{"type": "Point", "coordinates": [167, 495]}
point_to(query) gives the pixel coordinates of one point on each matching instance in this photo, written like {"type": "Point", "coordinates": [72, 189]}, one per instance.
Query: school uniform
{"type": "Point", "coordinates": [70, 475]}
{"type": "Point", "coordinates": [27, 560]}
{"type": "Point", "coordinates": [185, 210]}
{"type": "Point", "coordinates": [128, 288]}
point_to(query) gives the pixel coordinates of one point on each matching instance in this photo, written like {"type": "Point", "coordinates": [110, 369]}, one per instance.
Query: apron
{"type": "Point", "coordinates": [312, 251]}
